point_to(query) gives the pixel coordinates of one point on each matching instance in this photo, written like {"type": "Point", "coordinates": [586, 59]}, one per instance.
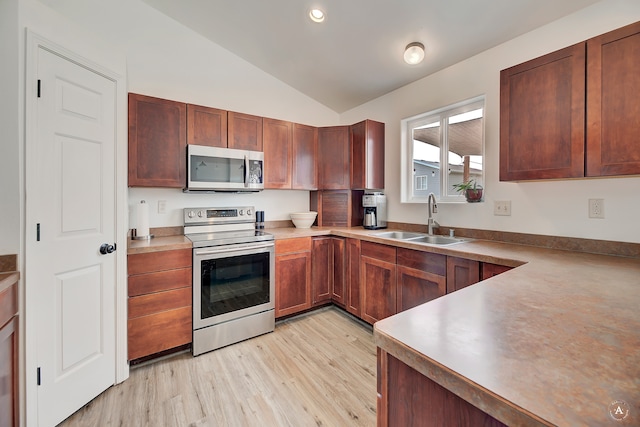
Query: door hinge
{"type": "Point", "coordinates": [38, 376]}
{"type": "Point", "coordinates": [38, 232]}
{"type": "Point", "coordinates": [39, 82]}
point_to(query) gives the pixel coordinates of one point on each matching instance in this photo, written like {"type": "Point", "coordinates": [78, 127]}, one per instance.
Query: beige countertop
{"type": "Point", "coordinates": [161, 243]}
{"type": "Point", "coordinates": [552, 342]}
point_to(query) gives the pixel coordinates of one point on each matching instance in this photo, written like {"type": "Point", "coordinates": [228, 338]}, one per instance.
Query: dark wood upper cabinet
{"type": "Point", "coordinates": [542, 117]}
{"type": "Point", "coordinates": [333, 158]}
{"type": "Point", "coordinates": [244, 131]}
{"type": "Point", "coordinates": [206, 126]}
{"type": "Point", "coordinates": [278, 147]}
{"type": "Point", "coordinates": [157, 142]}
{"type": "Point", "coordinates": [547, 103]}
{"type": "Point", "coordinates": [305, 157]}
{"type": "Point", "coordinates": [367, 155]}
{"type": "Point", "coordinates": [613, 105]}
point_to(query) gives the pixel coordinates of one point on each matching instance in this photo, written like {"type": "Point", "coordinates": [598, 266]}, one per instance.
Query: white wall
{"type": "Point", "coordinates": [167, 60]}
{"type": "Point", "coordinates": [9, 123]}
{"type": "Point", "coordinates": [549, 208]}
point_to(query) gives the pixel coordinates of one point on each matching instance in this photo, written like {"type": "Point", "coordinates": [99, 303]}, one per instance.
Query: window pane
{"type": "Point", "coordinates": [426, 159]}
{"type": "Point", "coordinates": [464, 138]}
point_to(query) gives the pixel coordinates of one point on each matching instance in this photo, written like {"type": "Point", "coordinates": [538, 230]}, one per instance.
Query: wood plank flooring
{"type": "Point", "coordinates": [318, 369]}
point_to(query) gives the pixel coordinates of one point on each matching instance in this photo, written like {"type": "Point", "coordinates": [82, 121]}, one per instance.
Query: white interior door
{"type": "Point", "coordinates": [70, 205]}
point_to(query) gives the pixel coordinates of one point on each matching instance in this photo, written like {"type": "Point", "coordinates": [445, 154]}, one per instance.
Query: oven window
{"type": "Point", "coordinates": [234, 283]}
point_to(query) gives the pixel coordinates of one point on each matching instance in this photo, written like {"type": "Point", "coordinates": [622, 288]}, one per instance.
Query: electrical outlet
{"type": "Point", "coordinates": [596, 208]}
{"type": "Point", "coordinates": [502, 207]}
{"type": "Point", "coordinates": [162, 206]}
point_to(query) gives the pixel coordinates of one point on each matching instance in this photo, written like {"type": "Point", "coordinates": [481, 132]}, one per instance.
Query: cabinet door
{"type": "Point", "coordinates": [293, 283]}
{"type": "Point", "coordinates": [490, 270]}
{"type": "Point", "coordinates": [244, 131]}
{"type": "Point", "coordinates": [305, 157]}
{"type": "Point", "coordinates": [352, 279]}
{"type": "Point", "coordinates": [613, 105]}
{"type": "Point", "coordinates": [421, 277]}
{"type": "Point", "coordinates": [378, 278]}
{"type": "Point", "coordinates": [9, 407]}
{"type": "Point", "coordinates": [542, 117]}
{"type": "Point", "coordinates": [157, 142]}
{"type": "Point", "coordinates": [416, 287]}
{"type": "Point", "coordinates": [321, 270]}
{"type": "Point", "coordinates": [206, 126]}
{"type": "Point", "coordinates": [293, 275]}
{"type": "Point", "coordinates": [338, 270]}
{"type": "Point", "coordinates": [333, 158]}
{"type": "Point", "coordinates": [278, 148]}
{"type": "Point", "coordinates": [367, 155]}
{"type": "Point", "coordinates": [461, 273]}
{"type": "Point", "coordinates": [379, 289]}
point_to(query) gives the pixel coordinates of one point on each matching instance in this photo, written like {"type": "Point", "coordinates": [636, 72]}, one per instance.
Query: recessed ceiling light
{"type": "Point", "coordinates": [316, 15]}
{"type": "Point", "coordinates": [414, 53]}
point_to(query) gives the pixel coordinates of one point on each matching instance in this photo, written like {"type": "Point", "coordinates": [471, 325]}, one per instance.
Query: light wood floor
{"type": "Point", "coordinates": [318, 369]}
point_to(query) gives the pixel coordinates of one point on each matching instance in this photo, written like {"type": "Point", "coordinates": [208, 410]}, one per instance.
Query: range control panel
{"type": "Point", "coordinates": [203, 216]}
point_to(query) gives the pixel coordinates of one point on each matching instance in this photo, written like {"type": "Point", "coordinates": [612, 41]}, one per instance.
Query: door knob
{"type": "Point", "coordinates": [107, 248]}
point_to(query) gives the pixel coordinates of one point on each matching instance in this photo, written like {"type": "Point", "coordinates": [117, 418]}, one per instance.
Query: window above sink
{"type": "Point", "coordinates": [441, 148]}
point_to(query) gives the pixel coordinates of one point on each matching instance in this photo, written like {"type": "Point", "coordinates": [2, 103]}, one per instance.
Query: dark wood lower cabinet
{"type": "Point", "coordinates": [159, 305]}
{"type": "Point", "coordinates": [9, 373]}
{"type": "Point", "coordinates": [338, 269]}
{"type": "Point", "coordinates": [321, 270]}
{"type": "Point", "coordinates": [421, 277]}
{"type": "Point", "coordinates": [489, 270]}
{"type": "Point", "coordinates": [461, 273]}
{"type": "Point", "coordinates": [408, 398]}
{"type": "Point", "coordinates": [9, 401]}
{"type": "Point", "coordinates": [378, 278]}
{"type": "Point", "coordinates": [352, 278]}
{"type": "Point", "coordinates": [293, 276]}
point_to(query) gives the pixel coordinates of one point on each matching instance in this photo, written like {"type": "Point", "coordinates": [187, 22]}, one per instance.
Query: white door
{"type": "Point", "coordinates": [70, 206]}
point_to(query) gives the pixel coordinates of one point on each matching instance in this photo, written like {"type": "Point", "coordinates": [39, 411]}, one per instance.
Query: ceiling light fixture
{"type": "Point", "coordinates": [414, 53]}
{"type": "Point", "coordinates": [316, 15]}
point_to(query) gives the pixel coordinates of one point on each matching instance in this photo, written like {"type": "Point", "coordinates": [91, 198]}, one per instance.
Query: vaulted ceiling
{"type": "Point", "coordinates": [356, 54]}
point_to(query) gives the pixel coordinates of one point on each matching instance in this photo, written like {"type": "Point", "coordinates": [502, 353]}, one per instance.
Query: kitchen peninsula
{"type": "Point", "coordinates": [555, 341]}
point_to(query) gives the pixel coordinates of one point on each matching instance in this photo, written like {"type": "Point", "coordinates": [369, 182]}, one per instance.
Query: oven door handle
{"type": "Point", "coordinates": [226, 249]}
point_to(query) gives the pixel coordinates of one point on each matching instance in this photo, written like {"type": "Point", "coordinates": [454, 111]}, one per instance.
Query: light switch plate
{"type": "Point", "coordinates": [162, 206]}
{"type": "Point", "coordinates": [502, 207]}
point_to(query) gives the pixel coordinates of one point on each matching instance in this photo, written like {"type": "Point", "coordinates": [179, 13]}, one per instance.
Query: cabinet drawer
{"type": "Point", "coordinates": [145, 305]}
{"type": "Point", "coordinates": [159, 261]}
{"type": "Point", "coordinates": [425, 261]}
{"type": "Point", "coordinates": [378, 251]}
{"type": "Point", "coordinates": [159, 281]}
{"type": "Point", "coordinates": [158, 332]}
{"type": "Point", "coordinates": [302, 244]}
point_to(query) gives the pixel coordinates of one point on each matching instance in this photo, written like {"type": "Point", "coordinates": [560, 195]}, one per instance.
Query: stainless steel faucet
{"type": "Point", "coordinates": [432, 209]}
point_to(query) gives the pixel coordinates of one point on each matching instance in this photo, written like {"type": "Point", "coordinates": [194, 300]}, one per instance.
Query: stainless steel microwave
{"type": "Point", "coordinates": [224, 169]}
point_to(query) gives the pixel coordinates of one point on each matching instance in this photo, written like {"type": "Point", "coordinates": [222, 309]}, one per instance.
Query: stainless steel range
{"type": "Point", "coordinates": [233, 276]}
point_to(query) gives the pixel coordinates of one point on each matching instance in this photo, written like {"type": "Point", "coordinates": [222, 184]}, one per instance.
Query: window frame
{"type": "Point", "coordinates": [406, 157]}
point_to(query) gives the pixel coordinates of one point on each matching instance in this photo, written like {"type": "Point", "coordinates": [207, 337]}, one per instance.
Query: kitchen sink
{"type": "Point", "coordinates": [419, 237]}
{"type": "Point", "coordinates": [436, 240]}
{"type": "Point", "coordinates": [401, 235]}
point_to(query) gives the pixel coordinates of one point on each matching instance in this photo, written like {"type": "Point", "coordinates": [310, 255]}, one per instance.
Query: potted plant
{"type": "Point", "coordinates": [471, 189]}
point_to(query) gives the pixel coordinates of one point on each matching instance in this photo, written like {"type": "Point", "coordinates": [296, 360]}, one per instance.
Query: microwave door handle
{"type": "Point", "coordinates": [246, 171]}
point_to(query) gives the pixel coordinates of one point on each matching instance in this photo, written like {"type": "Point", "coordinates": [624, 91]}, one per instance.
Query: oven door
{"type": "Point", "coordinates": [232, 281]}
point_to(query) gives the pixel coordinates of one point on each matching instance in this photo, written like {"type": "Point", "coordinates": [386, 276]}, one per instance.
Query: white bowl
{"type": "Point", "coordinates": [303, 219]}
